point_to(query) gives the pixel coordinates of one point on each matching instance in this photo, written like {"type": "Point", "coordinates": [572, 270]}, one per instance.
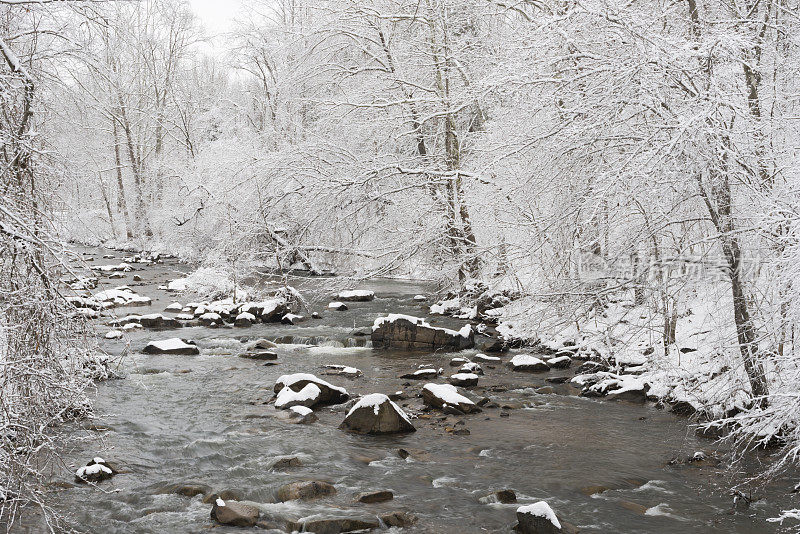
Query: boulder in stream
{"type": "Point", "coordinates": [372, 497]}
{"type": "Point", "coordinates": [157, 320]}
{"type": "Point", "coordinates": [305, 490]}
{"type": "Point", "coordinates": [171, 346]}
{"type": "Point", "coordinates": [234, 513]}
{"type": "Point", "coordinates": [356, 295]}
{"type": "Point", "coordinates": [376, 414]}
{"type": "Point", "coordinates": [537, 518]}
{"type": "Point", "coordinates": [337, 305]}
{"type": "Point", "coordinates": [244, 320]}
{"type": "Point", "coordinates": [560, 362]}
{"type": "Point", "coordinates": [439, 395]}
{"type": "Point", "coordinates": [465, 380]}
{"type": "Point", "coordinates": [96, 470]}
{"type": "Point", "coordinates": [413, 333]}
{"type": "Point", "coordinates": [307, 396]}
{"type": "Point", "coordinates": [263, 355]}
{"type": "Point", "coordinates": [528, 364]}
{"type": "Point", "coordinates": [329, 394]}
{"type": "Point", "coordinates": [334, 525]}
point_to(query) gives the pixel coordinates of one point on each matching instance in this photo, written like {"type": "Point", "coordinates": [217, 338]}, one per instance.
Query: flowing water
{"type": "Point", "coordinates": [203, 418]}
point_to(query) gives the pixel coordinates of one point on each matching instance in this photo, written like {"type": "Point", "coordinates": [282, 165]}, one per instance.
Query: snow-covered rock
{"type": "Point", "coordinates": [122, 267]}
{"type": "Point", "coordinates": [356, 295]}
{"type": "Point", "coordinates": [244, 319]}
{"type": "Point", "coordinates": [157, 320]}
{"type": "Point", "coordinates": [420, 298]}
{"type": "Point", "coordinates": [376, 414]}
{"type": "Point", "coordinates": [114, 334]}
{"type": "Point", "coordinates": [613, 386]}
{"type": "Point", "coordinates": [268, 311]}
{"type": "Point", "coordinates": [174, 307]}
{"type": "Point", "coordinates": [560, 362]}
{"type": "Point", "coordinates": [329, 394]}
{"type": "Point", "coordinates": [421, 374]}
{"type": "Point", "coordinates": [528, 363]}
{"type": "Point", "coordinates": [307, 396]}
{"type": "Point", "coordinates": [337, 305]}
{"type": "Point", "coordinates": [439, 395]}
{"type": "Point", "coordinates": [537, 518]}
{"type": "Point", "coordinates": [96, 470]}
{"type": "Point", "coordinates": [292, 318]}
{"type": "Point", "coordinates": [446, 307]}
{"type": "Point", "coordinates": [210, 318]}
{"type": "Point", "coordinates": [344, 370]}
{"type": "Point", "coordinates": [121, 296]}
{"type": "Point", "coordinates": [471, 367]}
{"type": "Point", "coordinates": [480, 357]}
{"type": "Point", "coordinates": [302, 415]}
{"type": "Point", "coordinates": [172, 346]}
{"type": "Point", "coordinates": [414, 333]}
{"type": "Point", "coordinates": [464, 380]}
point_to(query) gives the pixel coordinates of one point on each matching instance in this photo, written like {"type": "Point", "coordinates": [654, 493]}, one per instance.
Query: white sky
{"type": "Point", "coordinates": [216, 15]}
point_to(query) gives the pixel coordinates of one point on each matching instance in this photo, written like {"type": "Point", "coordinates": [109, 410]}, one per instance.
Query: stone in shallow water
{"type": "Point", "coordinates": [372, 497]}
{"type": "Point", "coordinates": [172, 346]}
{"type": "Point", "coordinates": [376, 414]}
{"type": "Point", "coordinates": [259, 355]}
{"type": "Point", "coordinates": [287, 462]}
{"type": "Point", "coordinates": [234, 513]}
{"type": "Point", "coordinates": [187, 489]}
{"type": "Point", "coordinates": [439, 395]}
{"type": "Point", "coordinates": [305, 490]}
{"type": "Point", "coordinates": [96, 470]}
{"type": "Point", "coordinates": [356, 295]}
{"type": "Point", "coordinates": [464, 379]}
{"type": "Point", "coordinates": [528, 363]}
{"type": "Point", "coordinates": [334, 525]}
{"type": "Point", "coordinates": [413, 333]}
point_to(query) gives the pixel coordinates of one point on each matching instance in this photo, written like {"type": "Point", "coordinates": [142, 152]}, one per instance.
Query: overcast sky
{"type": "Point", "coordinates": [216, 15]}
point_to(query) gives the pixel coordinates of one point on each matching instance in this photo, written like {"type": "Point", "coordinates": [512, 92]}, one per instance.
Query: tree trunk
{"type": "Point", "coordinates": [122, 204]}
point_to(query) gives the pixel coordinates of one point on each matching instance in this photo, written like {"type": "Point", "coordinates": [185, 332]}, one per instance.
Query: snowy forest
{"type": "Point", "coordinates": [588, 209]}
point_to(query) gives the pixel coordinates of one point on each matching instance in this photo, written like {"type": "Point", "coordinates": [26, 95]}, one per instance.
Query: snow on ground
{"type": "Point", "coordinates": [694, 370]}
{"type": "Point", "coordinates": [209, 283]}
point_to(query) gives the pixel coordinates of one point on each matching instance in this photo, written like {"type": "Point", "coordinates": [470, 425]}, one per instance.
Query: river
{"type": "Point", "coordinates": [202, 418]}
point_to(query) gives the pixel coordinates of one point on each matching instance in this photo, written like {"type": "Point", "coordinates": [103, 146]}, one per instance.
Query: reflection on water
{"type": "Point", "coordinates": [200, 418]}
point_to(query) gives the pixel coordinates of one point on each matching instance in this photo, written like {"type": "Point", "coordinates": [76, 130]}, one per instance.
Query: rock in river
{"type": "Point", "coordinates": [305, 490]}
{"type": "Point", "coordinates": [537, 518]}
{"type": "Point", "coordinates": [413, 333]}
{"type": "Point", "coordinates": [307, 396]}
{"type": "Point", "coordinates": [356, 295]}
{"type": "Point", "coordinates": [234, 513]}
{"type": "Point", "coordinates": [372, 497]}
{"type": "Point", "coordinates": [172, 346]}
{"type": "Point", "coordinates": [439, 395]}
{"type": "Point", "coordinates": [335, 525]}
{"type": "Point", "coordinates": [464, 379]}
{"type": "Point", "coordinates": [376, 414]}
{"type": "Point", "coordinates": [95, 471]}
{"type": "Point", "coordinates": [528, 363]}
{"type": "Point", "coordinates": [329, 394]}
